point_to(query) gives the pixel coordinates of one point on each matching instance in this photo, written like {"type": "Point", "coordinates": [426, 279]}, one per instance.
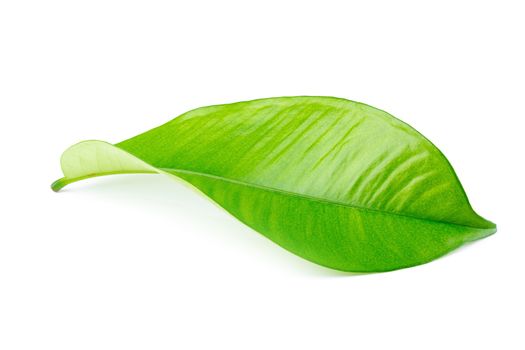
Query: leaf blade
{"type": "Point", "coordinates": [317, 151]}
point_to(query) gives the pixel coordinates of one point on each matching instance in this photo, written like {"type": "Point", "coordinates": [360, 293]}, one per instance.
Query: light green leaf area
{"type": "Point", "coordinates": [337, 182]}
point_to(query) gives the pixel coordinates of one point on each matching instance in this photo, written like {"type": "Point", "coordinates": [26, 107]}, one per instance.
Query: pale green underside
{"type": "Point", "coordinates": [337, 182]}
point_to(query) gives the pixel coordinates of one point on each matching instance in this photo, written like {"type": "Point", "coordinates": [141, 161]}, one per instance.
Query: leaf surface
{"type": "Point", "coordinates": [337, 182]}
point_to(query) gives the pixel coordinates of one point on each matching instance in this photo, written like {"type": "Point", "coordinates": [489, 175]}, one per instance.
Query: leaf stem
{"type": "Point", "coordinates": [61, 183]}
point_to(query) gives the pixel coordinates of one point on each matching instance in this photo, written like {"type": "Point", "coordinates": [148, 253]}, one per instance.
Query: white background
{"type": "Point", "coordinates": [142, 262]}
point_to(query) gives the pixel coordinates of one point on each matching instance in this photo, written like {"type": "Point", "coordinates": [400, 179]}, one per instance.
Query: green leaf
{"type": "Point", "coordinates": [337, 182]}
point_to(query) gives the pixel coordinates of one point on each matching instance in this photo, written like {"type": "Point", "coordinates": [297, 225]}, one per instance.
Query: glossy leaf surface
{"type": "Point", "coordinates": [340, 183]}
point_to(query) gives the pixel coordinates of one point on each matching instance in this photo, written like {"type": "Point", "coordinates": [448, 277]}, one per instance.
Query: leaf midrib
{"type": "Point", "coordinates": [313, 198]}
